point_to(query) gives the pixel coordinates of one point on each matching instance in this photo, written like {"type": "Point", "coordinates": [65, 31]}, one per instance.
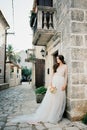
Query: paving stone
{"type": "Point", "coordinates": [25, 128]}
{"type": "Point", "coordinates": [65, 123]}
{"type": "Point", "coordinates": [20, 100]}
{"type": "Point", "coordinates": [55, 128]}
{"type": "Point", "coordinates": [49, 125]}
{"type": "Point", "coordinates": [10, 124]}
{"type": "Point", "coordinates": [72, 128]}
{"type": "Point", "coordinates": [10, 128]}
{"type": "Point", "coordinates": [40, 127]}
{"type": "Point", "coordinates": [23, 125]}
{"type": "Point", "coordinates": [2, 124]}
{"type": "Point", "coordinates": [80, 125]}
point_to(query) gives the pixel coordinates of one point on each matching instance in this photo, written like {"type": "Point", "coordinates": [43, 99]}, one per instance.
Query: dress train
{"type": "Point", "coordinates": [52, 107]}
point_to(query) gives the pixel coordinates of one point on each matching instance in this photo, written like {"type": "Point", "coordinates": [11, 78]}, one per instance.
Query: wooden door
{"type": "Point", "coordinates": [39, 73]}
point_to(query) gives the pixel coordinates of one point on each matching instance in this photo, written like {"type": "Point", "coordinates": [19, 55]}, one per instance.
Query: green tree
{"type": "Point", "coordinates": [11, 55]}
{"type": "Point", "coordinates": [26, 73]}
{"type": "Point", "coordinates": [17, 58]}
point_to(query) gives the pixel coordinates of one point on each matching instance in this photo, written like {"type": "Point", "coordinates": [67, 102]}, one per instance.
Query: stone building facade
{"type": "Point", "coordinates": [68, 37]}
{"type": "Point", "coordinates": [13, 74]}
{"type": "Point", "coordinates": [3, 28]}
{"type": "Point", "coordinates": [71, 21]}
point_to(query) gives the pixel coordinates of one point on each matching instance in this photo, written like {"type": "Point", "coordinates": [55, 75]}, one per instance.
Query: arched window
{"type": "Point", "coordinates": [45, 3]}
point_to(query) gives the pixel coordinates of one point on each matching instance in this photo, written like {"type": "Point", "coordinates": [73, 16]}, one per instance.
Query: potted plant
{"type": "Point", "coordinates": [40, 92]}
{"type": "Point", "coordinates": [84, 120]}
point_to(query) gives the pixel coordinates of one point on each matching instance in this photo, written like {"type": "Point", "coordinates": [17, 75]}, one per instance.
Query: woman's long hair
{"type": "Point", "coordinates": [55, 66]}
{"type": "Point", "coordinates": [61, 57]}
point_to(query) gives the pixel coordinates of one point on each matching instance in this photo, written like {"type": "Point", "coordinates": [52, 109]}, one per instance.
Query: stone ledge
{"type": "Point", "coordinates": [4, 86]}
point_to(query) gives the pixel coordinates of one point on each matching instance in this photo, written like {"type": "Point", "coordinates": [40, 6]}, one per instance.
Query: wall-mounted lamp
{"type": "Point", "coordinates": [43, 52]}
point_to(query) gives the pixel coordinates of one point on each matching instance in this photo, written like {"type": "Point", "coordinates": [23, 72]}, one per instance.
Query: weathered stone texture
{"type": "Point", "coordinates": [81, 4]}
{"type": "Point", "coordinates": [77, 40]}
{"type": "Point", "coordinates": [77, 15]}
{"type": "Point", "coordinates": [86, 40]}
{"type": "Point", "coordinates": [79, 78]}
{"type": "Point", "coordinates": [77, 67]}
{"type": "Point", "coordinates": [78, 27]}
{"type": "Point", "coordinates": [85, 15]}
{"type": "Point", "coordinates": [78, 92]}
{"type": "Point", "coordinates": [72, 23]}
{"type": "Point", "coordinates": [79, 54]}
{"type": "Point", "coordinates": [77, 108]}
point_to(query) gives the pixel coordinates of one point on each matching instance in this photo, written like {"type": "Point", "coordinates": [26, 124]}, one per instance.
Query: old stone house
{"type": "Point", "coordinates": [3, 28]}
{"type": "Point", "coordinates": [60, 27]}
{"type": "Point", "coordinates": [13, 74]}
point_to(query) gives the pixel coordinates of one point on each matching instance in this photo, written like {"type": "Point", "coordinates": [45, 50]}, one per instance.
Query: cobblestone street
{"type": "Point", "coordinates": [20, 100]}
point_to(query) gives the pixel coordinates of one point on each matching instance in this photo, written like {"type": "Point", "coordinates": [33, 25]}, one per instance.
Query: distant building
{"type": "Point", "coordinates": [23, 56]}
{"type": "Point", "coordinates": [13, 74]}
{"type": "Point", "coordinates": [3, 29]}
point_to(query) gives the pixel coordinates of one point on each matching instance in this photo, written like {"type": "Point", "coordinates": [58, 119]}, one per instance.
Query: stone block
{"type": "Point", "coordinates": [76, 109]}
{"type": "Point", "coordinates": [10, 128]}
{"type": "Point", "coordinates": [77, 67]}
{"type": "Point", "coordinates": [72, 128]}
{"type": "Point", "coordinates": [86, 16]}
{"type": "Point", "coordinates": [2, 124]}
{"type": "Point", "coordinates": [78, 92]}
{"type": "Point", "coordinates": [76, 40]}
{"type": "Point", "coordinates": [81, 4]}
{"type": "Point", "coordinates": [79, 54]}
{"type": "Point", "coordinates": [86, 40]}
{"type": "Point", "coordinates": [78, 27]}
{"type": "Point", "coordinates": [79, 79]}
{"type": "Point", "coordinates": [80, 125]}
{"type": "Point", "coordinates": [78, 105]}
{"type": "Point", "coordinates": [4, 86]}
{"type": "Point", "coordinates": [77, 15]}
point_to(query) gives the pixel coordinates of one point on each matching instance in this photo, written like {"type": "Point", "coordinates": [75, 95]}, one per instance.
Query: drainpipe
{"type": "Point", "coordinates": [6, 33]}
{"type": "Point", "coordinates": [5, 57]}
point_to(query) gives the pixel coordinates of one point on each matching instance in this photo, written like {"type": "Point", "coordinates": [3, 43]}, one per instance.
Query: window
{"type": "Point", "coordinates": [45, 2]}
{"type": "Point", "coordinates": [0, 71]}
{"type": "Point", "coordinates": [12, 69]}
{"type": "Point", "coordinates": [48, 71]}
{"type": "Point", "coordinates": [17, 70]}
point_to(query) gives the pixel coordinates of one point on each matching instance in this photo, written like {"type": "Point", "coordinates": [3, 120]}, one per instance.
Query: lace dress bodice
{"type": "Point", "coordinates": [61, 71]}
{"type": "Point", "coordinates": [60, 74]}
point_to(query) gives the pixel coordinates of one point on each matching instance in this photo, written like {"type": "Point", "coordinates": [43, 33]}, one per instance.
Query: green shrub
{"type": "Point", "coordinates": [84, 120]}
{"type": "Point", "coordinates": [41, 90]}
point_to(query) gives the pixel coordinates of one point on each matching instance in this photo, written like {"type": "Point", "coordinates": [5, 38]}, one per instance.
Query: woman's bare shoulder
{"type": "Point", "coordinates": [65, 66]}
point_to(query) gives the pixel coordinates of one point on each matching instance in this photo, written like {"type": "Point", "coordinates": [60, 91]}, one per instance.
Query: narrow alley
{"type": "Point", "coordinates": [20, 100]}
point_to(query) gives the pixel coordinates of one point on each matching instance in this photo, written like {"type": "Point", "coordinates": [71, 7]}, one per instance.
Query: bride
{"type": "Point", "coordinates": [53, 105]}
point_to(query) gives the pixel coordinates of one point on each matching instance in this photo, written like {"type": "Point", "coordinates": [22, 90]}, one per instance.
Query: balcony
{"type": "Point", "coordinates": [44, 29]}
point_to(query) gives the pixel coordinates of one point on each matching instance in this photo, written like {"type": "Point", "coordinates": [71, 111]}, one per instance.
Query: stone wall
{"type": "Point", "coordinates": [3, 28]}
{"type": "Point", "coordinates": [2, 50]}
{"type": "Point", "coordinates": [13, 78]}
{"type": "Point", "coordinates": [4, 86]}
{"type": "Point", "coordinates": [71, 21]}
{"type": "Point", "coordinates": [77, 98]}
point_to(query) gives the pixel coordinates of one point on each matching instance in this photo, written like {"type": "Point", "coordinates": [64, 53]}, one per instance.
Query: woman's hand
{"type": "Point", "coordinates": [63, 88]}
{"type": "Point", "coordinates": [53, 89]}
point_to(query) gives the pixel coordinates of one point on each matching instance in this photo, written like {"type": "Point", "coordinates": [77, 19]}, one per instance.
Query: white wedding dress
{"type": "Point", "coordinates": [53, 105]}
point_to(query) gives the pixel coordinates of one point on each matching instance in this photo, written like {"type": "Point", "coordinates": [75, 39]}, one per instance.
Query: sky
{"type": "Point", "coordinates": [22, 40]}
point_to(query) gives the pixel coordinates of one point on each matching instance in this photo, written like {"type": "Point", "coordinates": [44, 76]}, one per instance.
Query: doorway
{"type": "Point", "coordinates": [55, 54]}
{"type": "Point", "coordinates": [39, 73]}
